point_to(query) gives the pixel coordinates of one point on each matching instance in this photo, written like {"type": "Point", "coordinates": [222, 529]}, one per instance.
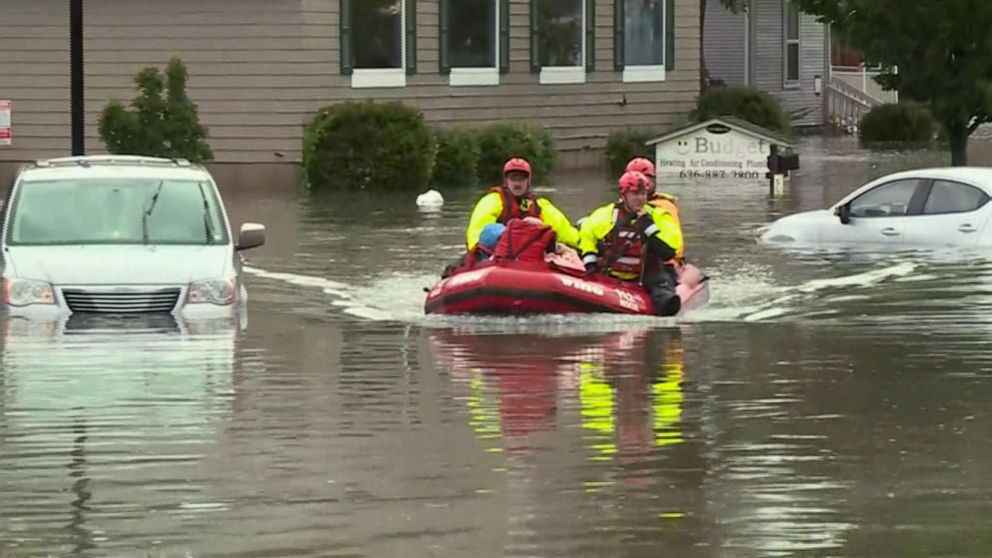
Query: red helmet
{"type": "Point", "coordinates": [633, 181]}
{"type": "Point", "coordinates": [642, 165]}
{"type": "Point", "coordinates": [516, 164]}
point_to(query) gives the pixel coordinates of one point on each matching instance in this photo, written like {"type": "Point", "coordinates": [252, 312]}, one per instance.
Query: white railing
{"type": "Point", "coordinates": [846, 105]}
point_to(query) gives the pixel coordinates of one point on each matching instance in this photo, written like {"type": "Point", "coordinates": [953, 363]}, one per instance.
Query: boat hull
{"type": "Point", "coordinates": [511, 288]}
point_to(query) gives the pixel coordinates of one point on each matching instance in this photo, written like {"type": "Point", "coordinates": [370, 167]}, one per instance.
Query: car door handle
{"type": "Point", "coordinates": [889, 231]}
{"type": "Point", "coordinates": [967, 228]}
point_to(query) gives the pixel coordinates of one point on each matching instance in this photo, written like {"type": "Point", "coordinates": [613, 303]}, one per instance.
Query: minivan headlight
{"type": "Point", "coordinates": [22, 292]}
{"type": "Point", "coordinates": [213, 291]}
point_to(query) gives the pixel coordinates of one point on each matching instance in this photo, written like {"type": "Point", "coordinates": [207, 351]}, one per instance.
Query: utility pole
{"type": "Point", "coordinates": [78, 117]}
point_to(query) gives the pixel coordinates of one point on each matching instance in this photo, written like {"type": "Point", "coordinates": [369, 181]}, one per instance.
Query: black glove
{"type": "Point", "coordinates": [643, 223]}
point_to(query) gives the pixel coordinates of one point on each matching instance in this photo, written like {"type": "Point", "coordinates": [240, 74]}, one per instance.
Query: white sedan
{"type": "Point", "coordinates": [936, 207]}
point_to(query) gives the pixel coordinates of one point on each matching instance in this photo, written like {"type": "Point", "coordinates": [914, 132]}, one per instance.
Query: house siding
{"type": "Point", "coordinates": [766, 58]}
{"type": "Point", "coordinates": [723, 43]}
{"type": "Point", "coordinates": [260, 69]}
{"type": "Point", "coordinates": [769, 66]}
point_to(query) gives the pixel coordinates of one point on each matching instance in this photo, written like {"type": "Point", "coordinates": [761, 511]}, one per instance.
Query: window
{"type": "Point", "coordinates": [378, 42]}
{"type": "Point", "coordinates": [643, 44]}
{"type": "Point", "coordinates": [954, 197]}
{"type": "Point", "coordinates": [116, 211]}
{"type": "Point", "coordinates": [791, 35]}
{"type": "Point", "coordinates": [887, 200]}
{"type": "Point", "coordinates": [561, 39]}
{"type": "Point", "coordinates": [472, 38]}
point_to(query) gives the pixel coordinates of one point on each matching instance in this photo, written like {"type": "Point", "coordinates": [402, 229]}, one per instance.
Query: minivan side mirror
{"type": "Point", "coordinates": [844, 212]}
{"type": "Point", "coordinates": [252, 235]}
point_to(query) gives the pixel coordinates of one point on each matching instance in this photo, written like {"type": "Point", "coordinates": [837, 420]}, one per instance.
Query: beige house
{"type": "Point", "coordinates": [260, 69]}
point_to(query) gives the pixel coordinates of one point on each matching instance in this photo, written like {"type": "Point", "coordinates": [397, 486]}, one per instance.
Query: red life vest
{"type": "Point", "coordinates": [623, 244]}
{"type": "Point", "coordinates": [514, 208]}
{"type": "Point", "coordinates": [524, 242]}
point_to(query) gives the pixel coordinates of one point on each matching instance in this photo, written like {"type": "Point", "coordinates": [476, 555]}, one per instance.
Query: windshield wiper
{"type": "Point", "coordinates": [206, 215]}
{"type": "Point", "coordinates": [148, 211]}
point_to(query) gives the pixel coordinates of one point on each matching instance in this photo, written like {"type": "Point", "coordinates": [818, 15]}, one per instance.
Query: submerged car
{"type": "Point", "coordinates": [120, 235]}
{"type": "Point", "coordinates": [923, 207]}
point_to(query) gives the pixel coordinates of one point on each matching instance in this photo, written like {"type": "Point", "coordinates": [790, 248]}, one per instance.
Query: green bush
{"type": "Point", "coordinates": [624, 145]}
{"type": "Point", "coordinates": [367, 145]}
{"type": "Point", "coordinates": [499, 142]}
{"type": "Point", "coordinates": [457, 160]}
{"type": "Point", "coordinates": [748, 103]}
{"type": "Point", "coordinates": [157, 126]}
{"type": "Point", "coordinates": [897, 123]}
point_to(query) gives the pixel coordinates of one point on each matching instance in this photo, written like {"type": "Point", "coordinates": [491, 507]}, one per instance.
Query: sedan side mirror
{"type": "Point", "coordinates": [844, 212]}
{"type": "Point", "coordinates": [252, 236]}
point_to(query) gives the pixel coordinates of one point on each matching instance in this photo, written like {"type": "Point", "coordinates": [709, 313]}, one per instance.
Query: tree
{"type": "Point", "coordinates": [157, 126]}
{"type": "Point", "coordinates": [734, 6]}
{"type": "Point", "coordinates": [937, 52]}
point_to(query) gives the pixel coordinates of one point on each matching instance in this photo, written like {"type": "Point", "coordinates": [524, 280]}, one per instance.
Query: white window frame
{"type": "Point", "coordinates": [365, 78]}
{"type": "Point", "coordinates": [485, 76]}
{"type": "Point", "coordinates": [787, 42]}
{"type": "Point", "coordinates": [560, 75]}
{"type": "Point", "coordinates": [648, 73]}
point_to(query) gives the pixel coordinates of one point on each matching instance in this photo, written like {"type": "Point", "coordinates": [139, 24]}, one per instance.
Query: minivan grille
{"type": "Point", "coordinates": [121, 302]}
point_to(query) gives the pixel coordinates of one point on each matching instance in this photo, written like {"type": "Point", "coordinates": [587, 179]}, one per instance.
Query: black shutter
{"type": "Point", "coordinates": [535, 36]}
{"type": "Point", "coordinates": [347, 64]}
{"type": "Point", "coordinates": [411, 37]}
{"type": "Point", "coordinates": [444, 65]}
{"type": "Point", "coordinates": [590, 54]}
{"type": "Point", "coordinates": [669, 35]}
{"type": "Point", "coordinates": [618, 35]}
{"type": "Point", "coordinates": [504, 36]}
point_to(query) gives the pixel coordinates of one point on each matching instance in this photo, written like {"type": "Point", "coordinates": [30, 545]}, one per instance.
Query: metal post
{"type": "Point", "coordinates": [77, 118]}
{"type": "Point", "coordinates": [772, 168]}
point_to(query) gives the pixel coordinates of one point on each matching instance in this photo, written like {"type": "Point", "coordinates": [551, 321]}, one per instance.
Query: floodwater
{"type": "Point", "coordinates": [823, 404]}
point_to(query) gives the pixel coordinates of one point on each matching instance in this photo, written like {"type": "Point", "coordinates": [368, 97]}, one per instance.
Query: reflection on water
{"type": "Point", "coordinates": [627, 400]}
{"type": "Point", "coordinates": [90, 415]}
{"type": "Point", "coordinates": [580, 423]}
{"type": "Point", "coordinates": [825, 403]}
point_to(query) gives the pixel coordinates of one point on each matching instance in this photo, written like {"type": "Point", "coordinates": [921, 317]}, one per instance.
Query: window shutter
{"type": "Point", "coordinates": [411, 37]}
{"type": "Point", "coordinates": [444, 64]}
{"type": "Point", "coordinates": [669, 35]}
{"type": "Point", "coordinates": [347, 64]}
{"type": "Point", "coordinates": [618, 35]}
{"type": "Point", "coordinates": [590, 54]}
{"type": "Point", "coordinates": [504, 36]}
{"type": "Point", "coordinates": [535, 36]}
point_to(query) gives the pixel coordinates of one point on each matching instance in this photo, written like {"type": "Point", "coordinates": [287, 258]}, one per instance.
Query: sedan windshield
{"type": "Point", "coordinates": [116, 211]}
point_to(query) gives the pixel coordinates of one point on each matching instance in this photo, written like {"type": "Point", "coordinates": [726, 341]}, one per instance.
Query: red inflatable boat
{"type": "Point", "coordinates": [557, 286]}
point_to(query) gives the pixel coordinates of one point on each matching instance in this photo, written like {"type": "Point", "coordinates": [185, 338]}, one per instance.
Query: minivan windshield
{"type": "Point", "coordinates": [115, 211]}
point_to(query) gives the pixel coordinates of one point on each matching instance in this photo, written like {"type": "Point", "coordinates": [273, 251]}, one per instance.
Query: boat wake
{"type": "Point", "coordinates": [747, 295]}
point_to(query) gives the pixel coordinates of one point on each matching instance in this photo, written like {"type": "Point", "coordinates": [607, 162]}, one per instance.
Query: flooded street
{"type": "Point", "coordinates": [823, 404]}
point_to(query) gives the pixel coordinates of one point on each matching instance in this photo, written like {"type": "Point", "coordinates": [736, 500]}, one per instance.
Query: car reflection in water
{"type": "Point", "coordinates": [125, 404]}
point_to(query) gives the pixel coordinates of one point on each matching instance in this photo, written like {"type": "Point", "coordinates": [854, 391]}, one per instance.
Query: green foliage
{"type": "Point", "coordinates": [499, 142]}
{"type": "Point", "coordinates": [897, 124]}
{"type": "Point", "coordinates": [624, 145]}
{"type": "Point", "coordinates": [941, 49]}
{"type": "Point", "coordinates": [748, 103]}
{"type": "Point", "coordinates": [367, 145]}
{"type": "Point", "coordinates": [162, 121]}
{"type": "Point", "coordinates": [457, 160]}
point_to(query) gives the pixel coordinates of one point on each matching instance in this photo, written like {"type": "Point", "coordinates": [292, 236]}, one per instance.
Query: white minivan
{"type": "Point", "coordinates": [119, 234]}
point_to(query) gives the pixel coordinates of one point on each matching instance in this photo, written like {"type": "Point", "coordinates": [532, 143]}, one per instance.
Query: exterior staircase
{"type": "Point", "coordinates": [847, 104]}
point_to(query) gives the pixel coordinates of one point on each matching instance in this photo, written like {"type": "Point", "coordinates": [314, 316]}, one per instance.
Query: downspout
{"type": "Point", "coordinates": [747, 45]}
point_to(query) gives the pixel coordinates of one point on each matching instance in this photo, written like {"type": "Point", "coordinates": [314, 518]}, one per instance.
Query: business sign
{"type": "Point", "coordinates": [6, 135]}
{"type": "Point", "coordinates": [716, 151]}
{"type": "Point", "coordinates": [719, 148]}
